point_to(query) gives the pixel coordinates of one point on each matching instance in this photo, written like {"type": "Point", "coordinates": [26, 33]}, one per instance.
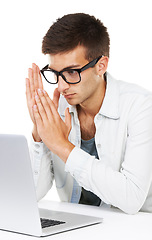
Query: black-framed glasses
{"type": "Point", "coordinates": [69, 75]}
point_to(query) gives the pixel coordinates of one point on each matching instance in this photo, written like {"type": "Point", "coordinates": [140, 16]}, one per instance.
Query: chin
{"type": "Point", "coordinates": [72, 102]}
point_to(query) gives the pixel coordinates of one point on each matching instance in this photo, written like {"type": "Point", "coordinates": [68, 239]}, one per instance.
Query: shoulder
{"type": "Point", "coordinates": [130, 97]}
{"type": "Point", "coordinates": [129, 91]}
{"type": "Point", "coordinates": [128, 88]}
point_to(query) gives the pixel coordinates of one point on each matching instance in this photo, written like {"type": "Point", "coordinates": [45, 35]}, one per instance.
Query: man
{"type": "Point", "coordinates": [95, 137]}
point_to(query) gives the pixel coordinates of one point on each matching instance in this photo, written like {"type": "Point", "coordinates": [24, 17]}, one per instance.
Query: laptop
{"type": "Point", "coordinates": [19, 210]}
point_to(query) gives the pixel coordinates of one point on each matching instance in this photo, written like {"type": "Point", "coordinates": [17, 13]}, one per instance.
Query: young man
{"type": "Point", "coordinates": [95, 137]}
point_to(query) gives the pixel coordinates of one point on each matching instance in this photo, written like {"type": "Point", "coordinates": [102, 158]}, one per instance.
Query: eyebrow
{"type": "Point", "coordinates": [66, 68]}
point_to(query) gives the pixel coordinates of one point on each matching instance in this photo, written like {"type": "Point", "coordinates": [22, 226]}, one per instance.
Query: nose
{"type": "Point", "coordinates": [62, 85]}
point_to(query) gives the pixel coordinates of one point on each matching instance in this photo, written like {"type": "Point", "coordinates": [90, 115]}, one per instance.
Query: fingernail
{"type": "Point", "coordinates": [39, 90]}
{"type": "Point", "coordinates": [34, 107]}
{"type": "Point", "coordinates": [36, 96]}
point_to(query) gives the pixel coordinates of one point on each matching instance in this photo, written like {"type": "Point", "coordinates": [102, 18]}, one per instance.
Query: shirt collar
{"type": "Point", "coordinates": [110, 105]}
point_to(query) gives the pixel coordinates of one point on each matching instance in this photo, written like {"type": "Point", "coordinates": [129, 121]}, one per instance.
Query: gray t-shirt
{"type": "Point", "coordinates": [88, 197]}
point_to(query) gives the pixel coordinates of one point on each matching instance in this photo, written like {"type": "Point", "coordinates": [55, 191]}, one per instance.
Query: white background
{"type": "Point", "coordinates": [23, 25]}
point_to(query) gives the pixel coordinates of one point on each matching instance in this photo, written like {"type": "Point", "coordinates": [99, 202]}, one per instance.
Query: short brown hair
{"type": "Point", "coordinates": [77, 29]}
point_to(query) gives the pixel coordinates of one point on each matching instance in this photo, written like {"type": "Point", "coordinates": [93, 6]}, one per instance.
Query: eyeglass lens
{"type": "Point", "coordinates": [71, 76]}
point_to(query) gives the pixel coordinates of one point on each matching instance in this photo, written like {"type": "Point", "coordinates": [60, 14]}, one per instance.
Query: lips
{"type": "Point", "coordinates": [69, 95]}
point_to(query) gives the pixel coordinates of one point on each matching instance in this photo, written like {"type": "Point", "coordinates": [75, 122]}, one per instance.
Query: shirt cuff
{"type": "Point", "coordinates": [37, 150]}
{"type": "Point", "coordinates": [38, 147]}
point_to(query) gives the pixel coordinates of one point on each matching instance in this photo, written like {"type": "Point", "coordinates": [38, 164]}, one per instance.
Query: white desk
{"type": "Point", "coordinates": [116, 224]}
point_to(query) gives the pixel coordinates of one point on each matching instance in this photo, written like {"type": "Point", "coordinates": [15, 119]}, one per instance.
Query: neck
{"type": "Point", "coordinates": [92, 105]}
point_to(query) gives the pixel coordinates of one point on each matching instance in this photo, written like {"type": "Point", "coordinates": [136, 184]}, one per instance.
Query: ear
{"type": "Point", "coordinates": [102, 65]}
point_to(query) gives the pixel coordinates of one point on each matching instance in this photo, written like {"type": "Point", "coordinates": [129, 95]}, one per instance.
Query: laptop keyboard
{"type": "Point", "coordinates": [49, 222]}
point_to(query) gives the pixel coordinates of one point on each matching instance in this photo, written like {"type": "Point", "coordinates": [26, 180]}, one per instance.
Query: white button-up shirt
{"type": "Point", "coordinates": [122, 177]}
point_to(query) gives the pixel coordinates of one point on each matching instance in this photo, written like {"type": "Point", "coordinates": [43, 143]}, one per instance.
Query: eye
{"type": "Point", "coordinates": [71, 72]}
{"type": "Point", "coordinates": [71, 75]}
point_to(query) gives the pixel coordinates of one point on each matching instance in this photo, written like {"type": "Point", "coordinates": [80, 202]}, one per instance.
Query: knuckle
{"type": "Point", "coordinates": [58, 119]}
{"type": "Point", "coordinates": [44, 100]}
{"type": "Point", "coordinates": [41, 110]}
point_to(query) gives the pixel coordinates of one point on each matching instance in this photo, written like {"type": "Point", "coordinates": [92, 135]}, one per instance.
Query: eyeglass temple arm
{"type": "Point", "coordinates": [91, 64]}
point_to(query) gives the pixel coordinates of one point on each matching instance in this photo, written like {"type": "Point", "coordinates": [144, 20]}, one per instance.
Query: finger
{"type": "Point", "coordinates": [37, 116]}
{"type": "Point", "coordinates": [31, 80]}
{"type": "Point", "coordinates": [41, 108]}
{"type": "Point", "coordinates": [28, 90]}
{"type": "Point", "coordinates": [51, 106]}
{"type": "Point", "coordinates": [43, 97]}
{"type": "Point", "coordinates": [35, 75]}
{"type": "Point", "coordinates": [40, 83]}
{"type": "Point", "coordinates": [68, 119]}
{"type": "Point", "coordinates": [56, 96]}
{"type": "Point", "coordinates": [29, 96]}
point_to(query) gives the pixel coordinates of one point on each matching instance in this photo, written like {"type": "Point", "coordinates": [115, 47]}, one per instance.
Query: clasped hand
{"type": "Point", "coordinates": [48, 125]}
{"type": "Point", "coordinates": [51, 128]}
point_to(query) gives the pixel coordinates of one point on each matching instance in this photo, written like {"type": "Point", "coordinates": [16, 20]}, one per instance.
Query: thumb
{"type": "Point", "coordinates": [68, 119]}
{"type": "Point", "coordinates": [56, 96]}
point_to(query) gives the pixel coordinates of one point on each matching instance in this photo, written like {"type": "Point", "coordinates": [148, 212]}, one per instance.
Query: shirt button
{"type": "Point", "coordinates": [36, 151]}
{"type": "Point", "coordinates": [98, 145]}
{"type": "Point", "coordinates": [99, 117]}
{"type": "Point", "coordinates": [37, 146]}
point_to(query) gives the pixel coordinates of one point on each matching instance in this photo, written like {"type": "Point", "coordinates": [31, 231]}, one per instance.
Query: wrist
{"type": "Point", "coordinates": [35, 135]}
{"type": "Point", "coordinates": [64, 151]}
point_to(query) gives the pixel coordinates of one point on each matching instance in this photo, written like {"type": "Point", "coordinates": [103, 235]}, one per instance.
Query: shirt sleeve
{"type": "Point", "coordinates": [42, 166]}
{"type": "Point", "coordinates": [127, 188]}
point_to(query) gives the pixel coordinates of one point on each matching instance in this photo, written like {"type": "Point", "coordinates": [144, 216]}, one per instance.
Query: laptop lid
{"type": "Point", "coordinates": [18, 208]}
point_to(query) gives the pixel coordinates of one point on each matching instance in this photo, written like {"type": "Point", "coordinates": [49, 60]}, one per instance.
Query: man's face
{"type": "Point", "coordinates": [84, 90]}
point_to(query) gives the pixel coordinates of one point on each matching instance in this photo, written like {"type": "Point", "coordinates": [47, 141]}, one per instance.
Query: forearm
{"type": "Point", "coordinates": [120, 189]}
